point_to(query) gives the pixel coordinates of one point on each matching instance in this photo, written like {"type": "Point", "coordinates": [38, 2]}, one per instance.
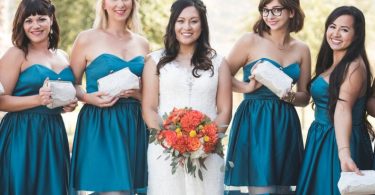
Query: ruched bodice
{"type": "Point", "coordinates": [106, 64]}
{"type": "Point", "coordinates": [32, 79]}
{"type": "Point", "coordinates": [321, 169]}
{"type": "Point", "coordinates": [113, 138]}
{"type": "Point", "coordinates": [319, 93]}
{"type": "Point", "coordinates": [34, 149]}
{"type": "Point", "coordinates": [292, 70]}
{"type": "Point", "coordinates": [265, 142]}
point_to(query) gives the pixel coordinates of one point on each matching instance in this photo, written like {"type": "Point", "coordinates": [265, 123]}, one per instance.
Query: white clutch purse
{"type": "Point", "coordinates": [118, 81]}
{"type": "Point", "coordinates": [63, 92]}
{"type": "Point", "coordinates": [273, 78]}
{"type": "Point", "coordinates": [1, 89]}
{"type": "Point", "coordinates": [351, 183]}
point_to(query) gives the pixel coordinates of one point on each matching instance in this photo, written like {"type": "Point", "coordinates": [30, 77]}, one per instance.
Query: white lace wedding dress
{"type": "Point", "coordinates": [178, 88]}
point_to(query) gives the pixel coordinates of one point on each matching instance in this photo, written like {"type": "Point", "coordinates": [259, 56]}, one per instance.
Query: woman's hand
{"type": "Point", "coordinates": [45, 94]}
{"type": "Point", "coordinates": [134, 93]}
{"type": "Point", "coordinates": [290, 96]}
{"type": "Point", "coordinates": [70, 107]}
{"type": "Point", "coordinates": [253, 84]}
{"type": "Point", "coordinates": [100, 99]}
{"type": "Point", "coordinates": [346, 161]}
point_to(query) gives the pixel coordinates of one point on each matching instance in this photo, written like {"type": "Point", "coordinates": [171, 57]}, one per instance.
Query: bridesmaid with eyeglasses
{"type": "Point", "coordinates": [265, 144]}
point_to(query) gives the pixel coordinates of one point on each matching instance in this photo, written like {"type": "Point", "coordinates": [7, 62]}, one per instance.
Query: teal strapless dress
{"type": "Point", "coordinates": [110, 144]}
{"type": "Point", "coordinates": [265, 143]}
{"type": "Point", "coordinates": [34, 150]}
{"type": "Point", "coordinates": [321, 170]}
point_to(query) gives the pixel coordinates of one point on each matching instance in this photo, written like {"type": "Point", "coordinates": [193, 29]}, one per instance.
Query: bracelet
{"type": "Point", "coordinates": [291, 97]}
{"type": "Point", "coordinates": [342, 148]}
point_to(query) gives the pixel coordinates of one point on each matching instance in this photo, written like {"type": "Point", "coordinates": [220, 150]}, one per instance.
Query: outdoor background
{"type": "Point", "coordinates": [228, 20]}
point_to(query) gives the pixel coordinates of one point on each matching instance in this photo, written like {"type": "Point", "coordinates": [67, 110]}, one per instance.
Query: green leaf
{"type": "Point", "coordinates": [200, 175]}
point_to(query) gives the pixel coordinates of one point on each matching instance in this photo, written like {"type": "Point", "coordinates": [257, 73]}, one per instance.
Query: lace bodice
{"type": "Point", "coordinates": [178, 88]}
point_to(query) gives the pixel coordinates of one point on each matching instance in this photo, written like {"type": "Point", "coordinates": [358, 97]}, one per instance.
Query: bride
{"type": "Point", "coordinates": [187, 73]}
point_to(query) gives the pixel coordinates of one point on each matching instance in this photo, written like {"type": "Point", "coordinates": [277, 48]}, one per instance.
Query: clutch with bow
{"type": "Point", "coordinates": [351, 183]}
{"type": "Point", "coordinates": [63, 92]}
{"type": "Point", "coordinates": [118, 81]}
{"type": "Point", "coordinates": [273, 78]}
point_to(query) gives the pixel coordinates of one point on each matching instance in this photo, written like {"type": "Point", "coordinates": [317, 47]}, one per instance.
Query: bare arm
{"type": "Point", "coordinates": [302, 96]}
{"type": "Point", "coordinates": [78, 63]}
{"type": "Point", "coordinates": [237, 58]}
{"type": "Point", "coordinates": [10, 69]}
{"type": "Point", "coordinates": [150, 91]}
{"type": "Point", "coordinates": [224, 98]}
{"type": "Point", "coordinates": [350, 91]}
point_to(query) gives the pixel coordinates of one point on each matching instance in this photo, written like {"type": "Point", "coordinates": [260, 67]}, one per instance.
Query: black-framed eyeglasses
{"type": "Point", "coordinates": [276, 11]}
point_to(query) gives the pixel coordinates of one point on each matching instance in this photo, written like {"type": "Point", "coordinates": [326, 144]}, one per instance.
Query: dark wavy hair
{"type": "Point", "coordinates": [356, 49]}
{"type": "Point", "coordinates": [31, 8]}
{"type": "Point", "coordinates": [295, 23]}
{"type": "Point", "coordinates": [203, 53]}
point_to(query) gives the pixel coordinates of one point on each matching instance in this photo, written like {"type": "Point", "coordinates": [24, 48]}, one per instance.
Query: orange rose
{"type": "Point", "coordinates": [193, 143]}
{"type": "Point", "coordinates": [191, 120]}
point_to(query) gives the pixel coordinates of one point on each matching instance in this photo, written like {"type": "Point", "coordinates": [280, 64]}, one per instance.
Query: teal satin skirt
{"type": "Point", "coordinates": [34, 153]}
{"type": "Point", "coordinates": [321, 169]}
{"type": "Point", "coordinates": [265, 145]}
{"type": "Point", "coordinates": [109, 151]}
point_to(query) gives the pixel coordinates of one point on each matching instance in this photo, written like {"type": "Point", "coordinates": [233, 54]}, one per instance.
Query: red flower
{"type": "Point", "coordinates": [193, 144]}
{"type": "Point", "coordinates": [191, 120]}
{"type": "Point", "coordinates": [170, 137]}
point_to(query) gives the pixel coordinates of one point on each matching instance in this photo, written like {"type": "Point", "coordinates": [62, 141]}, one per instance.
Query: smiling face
{"type": "Point", "coordinates": [276, 16]}
{"type": "Point", "coordinates": [37, 28]}
{"type": "Point", "coordinates": [340, 33]}
{"type": "Point", "coordinates": [188, 27]}
{"type": "Point", "coordinates": [118, 10]}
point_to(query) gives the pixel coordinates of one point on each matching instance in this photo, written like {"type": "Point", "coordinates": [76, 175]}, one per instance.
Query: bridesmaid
{"type": "Point", "coordinates": [109, 152]}
{"type": "Point", "coordinates": [338, 139]}
{"type": "Point", "coordinates": [34, 152]}
{"type": "Point", "coordinates": [265, 144]}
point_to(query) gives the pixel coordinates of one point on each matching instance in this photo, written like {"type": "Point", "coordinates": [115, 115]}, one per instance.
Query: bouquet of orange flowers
{"type": "Point", "coordinates": [188, 136]}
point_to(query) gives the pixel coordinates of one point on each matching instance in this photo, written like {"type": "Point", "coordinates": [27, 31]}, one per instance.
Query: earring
{"type": "Point", "coordinates": [51, 32]}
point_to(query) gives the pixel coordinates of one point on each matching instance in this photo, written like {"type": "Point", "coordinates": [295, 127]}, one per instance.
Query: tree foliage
{"type": "Point", "coordinates": [73, 16]}
{"type": "Point", "coordinates": [154, 17]}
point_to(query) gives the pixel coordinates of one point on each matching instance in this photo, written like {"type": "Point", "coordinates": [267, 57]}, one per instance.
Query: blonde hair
{"type": "Point", "coordinates": [132, 23]}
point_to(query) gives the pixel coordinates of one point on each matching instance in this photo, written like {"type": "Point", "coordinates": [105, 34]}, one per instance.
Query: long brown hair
{"type": "Point", "coordinates": [356, 49]}
{"type": "Point", "coordinates": [30, 8]}
{"type": "Point", "coordinates": [203, 53]}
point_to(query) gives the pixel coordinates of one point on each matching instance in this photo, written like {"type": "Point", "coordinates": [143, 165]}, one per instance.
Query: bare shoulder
{"type": "Point", "coordinates": [250, 38]}
{"type": "Point", "coordinates": [61, 54]}
{"type": "Point", "coordinates": [88, 36]}
{"type": "Point", "coordinates": [301, 46]}
{"type": "Point", "coordinates": [14, 55]}
{"type": "Point", "coordinates": [142, 41]}
{"type": "Point", "coordinates": [357, 65]}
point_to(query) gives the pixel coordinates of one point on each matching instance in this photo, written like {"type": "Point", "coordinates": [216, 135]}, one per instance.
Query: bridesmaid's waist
{"type": "Point", "coordinates": [42, 110]}
{"type": "Point", "coordinates": [251, 96]}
